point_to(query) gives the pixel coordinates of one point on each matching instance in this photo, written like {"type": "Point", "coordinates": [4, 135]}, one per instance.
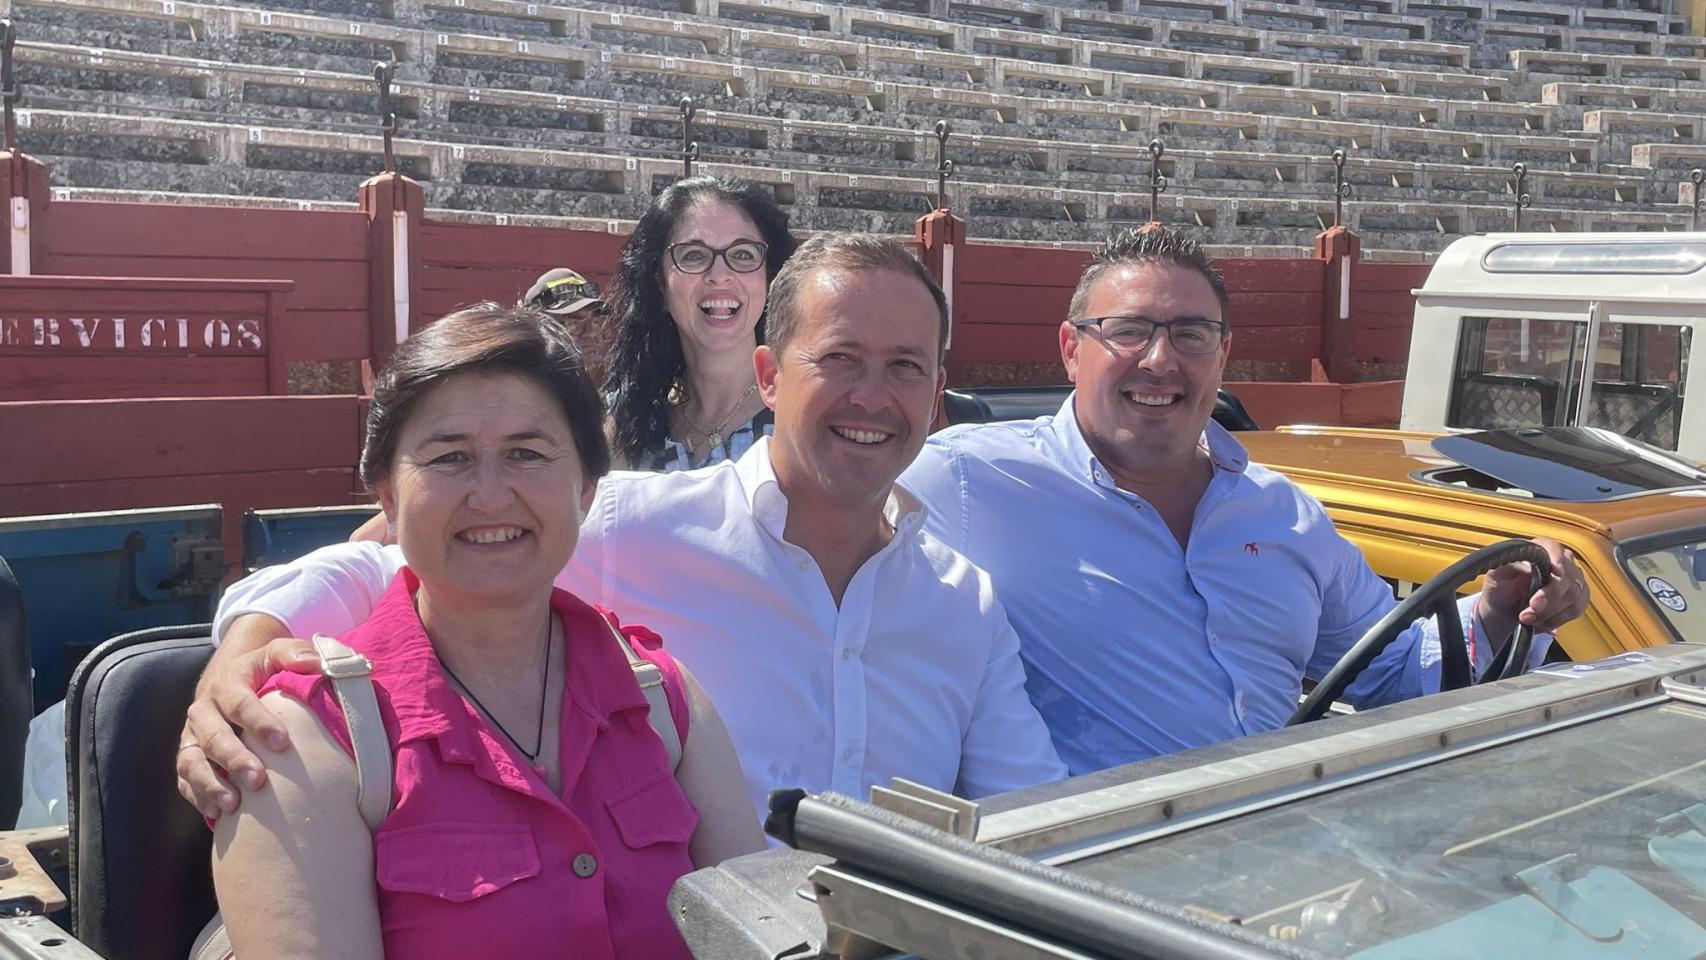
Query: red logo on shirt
{"type": "Point", "coordinates": [1250, 549]}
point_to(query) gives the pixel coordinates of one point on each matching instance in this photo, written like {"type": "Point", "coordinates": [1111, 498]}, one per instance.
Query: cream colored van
{"type": "Point", "coordinates": [1594, 329]}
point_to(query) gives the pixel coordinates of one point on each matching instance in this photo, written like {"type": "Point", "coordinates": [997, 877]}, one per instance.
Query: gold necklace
{"type": "Point", "coordinates": [714, 438]}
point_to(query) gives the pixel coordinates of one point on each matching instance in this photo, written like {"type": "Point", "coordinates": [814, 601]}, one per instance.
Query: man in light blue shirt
{"type": "Point", "coordinates": [1167, 592]}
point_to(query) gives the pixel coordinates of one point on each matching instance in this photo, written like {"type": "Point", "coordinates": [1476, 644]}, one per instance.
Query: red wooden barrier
{"type": "Point", "coordinates": [99, 337]}
{"type": "Point", "coordinates": [243, 452]}
{"type": "Point", "coordinates": [1381, 309]}
{"type": "Point", "coordinates": [464, 263]}
{"type": "Point", "coordinates": [323, 252]}
{"type": "Point", "coordinates": [1010, 300]}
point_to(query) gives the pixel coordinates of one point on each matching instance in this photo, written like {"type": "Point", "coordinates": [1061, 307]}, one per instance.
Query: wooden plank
{"type": "Point", "coordinates": [97, 227]}
{"type": "Point", "coordinates": [320, 486]}
{"type": "Point", "coordinates": [1276, 343]}
{"type": "Point", "coordinates": [1273, 404]}
{"type": "Point", "coordinates": [1004, 343]}
{"type": "Point", "coordinates": [320, 284]}
{"type": "Point", "coordinates": [1275, 309]}
{"type": "Point", "coordinates": [1374, 404]}
{"type": "Point", "coordinates": [71, 377]}
{"type": "Point", "coordinates": [1273, 275]}
{"type": "Point", "coordinates": [1387, 310]}
{"type": "Point", "coordinates": [481, 245]}
{"type": "Point", "coordinates": [322, 335]}
{"type": "Point", "coordinates": [129, 329]}
{"type": "Point", "coordinates": [82, 440]}
{"type": "Point", "coordinates": [1382, 346]}
{"type": "Point", "coordinates": [1388, 277]}
{"type": "Point", "coordinates": [473, 286]}
{"type": "Point", "coordinates": [27, 881]}
{"type": "Point", "coordinates": [236, 492]}
{"type": "Point", "coordinates": [1011, 304]}
{"type": "Point", "coordinates": [1019, 266]}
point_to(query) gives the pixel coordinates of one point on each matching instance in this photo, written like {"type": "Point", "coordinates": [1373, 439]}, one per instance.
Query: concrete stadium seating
{"type": "Point", "coordinates": [535, 111]}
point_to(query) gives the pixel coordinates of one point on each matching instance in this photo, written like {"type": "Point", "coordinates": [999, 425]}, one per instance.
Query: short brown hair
{"type": "Point", "coordinates": [1142, 245]}
{"type": "Point", "coordinates": [843, 251]}
{"type": "Point", "coordinates": [485, 338]}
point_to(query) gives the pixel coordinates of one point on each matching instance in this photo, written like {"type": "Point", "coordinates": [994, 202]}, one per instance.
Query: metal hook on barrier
{"type": "Point", "coordinates": [1157, 182]}
{"type": "Point", "coordinates": [944, 166]}
{"type": "Point", "coordinates": [1523, 200]}
{"type": "Point", "coordinates": [1696, 176]}
{"type": "Point", "coordinates": [8, 85]}
{"type": "Point", "coordinates": [387, 112]}
{"type": "Point", "coordinates": [1341, 187]}
{"type": "Point", "coordinates": [689, 146]}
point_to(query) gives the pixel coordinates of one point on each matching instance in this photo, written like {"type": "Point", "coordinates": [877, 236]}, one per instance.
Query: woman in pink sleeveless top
{"type": "Point", "coordinates": [534, 809]}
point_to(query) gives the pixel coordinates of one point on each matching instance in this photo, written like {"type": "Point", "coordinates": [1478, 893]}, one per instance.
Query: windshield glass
{"type": "Point", "coordinates": [1589, 841]}
{"type": "Point", "coordinates": [1673, 578]}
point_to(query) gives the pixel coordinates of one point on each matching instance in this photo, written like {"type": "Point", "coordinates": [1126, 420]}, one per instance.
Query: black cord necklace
{"type": "Point", "coordinates": [544, 686]}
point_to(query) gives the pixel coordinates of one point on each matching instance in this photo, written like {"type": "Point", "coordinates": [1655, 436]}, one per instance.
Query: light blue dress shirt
{"type": "Point", "coordinates": [1135, 647]}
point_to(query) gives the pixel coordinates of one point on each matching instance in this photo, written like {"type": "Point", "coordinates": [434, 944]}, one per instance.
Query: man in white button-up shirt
{"type": "Point", "coordinates": [1176, 594]}
{"type": "Point", "coordinates": [842, 644]}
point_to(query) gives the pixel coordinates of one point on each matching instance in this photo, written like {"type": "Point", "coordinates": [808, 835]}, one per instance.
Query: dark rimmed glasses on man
{"type": "Point", "coordinates": [742, 256]}
{"type": "Point", "coordinates": [1192, 335]}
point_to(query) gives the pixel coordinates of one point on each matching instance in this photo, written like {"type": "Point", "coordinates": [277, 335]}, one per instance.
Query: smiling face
{"type": "Point", "coordinates": [486, 490]}
{"type": "Point", "coordinates": [718, 309]}
{"type": "Point", "coordinates": [1143, 411]}
{"type": "Point", "coordinates": [855, 386]}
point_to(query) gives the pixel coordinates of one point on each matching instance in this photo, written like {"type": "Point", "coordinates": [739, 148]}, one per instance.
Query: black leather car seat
{"type": "Point", "coordinates": [17, 703]}
{"type": "Point", "coordinates": [141, 887]}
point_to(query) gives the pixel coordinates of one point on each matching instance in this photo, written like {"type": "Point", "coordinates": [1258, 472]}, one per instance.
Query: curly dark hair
{"type": "Point", "coordinates": [646, 356]}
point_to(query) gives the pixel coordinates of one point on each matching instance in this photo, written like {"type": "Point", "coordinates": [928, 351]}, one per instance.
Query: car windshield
{"type": "Point", "coordinates": [1673, 576]}
{"type": "Point", "coordinates": [1589, 842]}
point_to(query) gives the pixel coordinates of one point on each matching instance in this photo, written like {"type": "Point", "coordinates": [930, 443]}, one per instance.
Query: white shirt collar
{"type": "Point", "coordinates": [769, 505]}
{"type": "Point", "coordinates": [1226, 453]}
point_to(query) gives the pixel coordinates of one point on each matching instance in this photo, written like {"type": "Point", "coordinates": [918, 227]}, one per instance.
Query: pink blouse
{"type": "Point", "coordinates": [478, 856]}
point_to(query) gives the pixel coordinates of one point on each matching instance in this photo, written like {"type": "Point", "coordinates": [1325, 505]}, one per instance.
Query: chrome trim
{"type": "Point", "coordinates": [1067, 828]}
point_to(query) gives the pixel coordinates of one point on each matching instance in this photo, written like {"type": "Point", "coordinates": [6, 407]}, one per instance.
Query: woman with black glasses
{"type": "Point", "coordinates": [687, 310]}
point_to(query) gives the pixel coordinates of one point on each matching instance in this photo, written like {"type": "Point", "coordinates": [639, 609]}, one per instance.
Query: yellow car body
{"type": "Point", "coordinates": [1375, 486]}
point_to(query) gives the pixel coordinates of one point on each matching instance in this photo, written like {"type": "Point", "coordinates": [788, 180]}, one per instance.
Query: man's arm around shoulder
{"type": "Point", "coordinates": [259, 619]}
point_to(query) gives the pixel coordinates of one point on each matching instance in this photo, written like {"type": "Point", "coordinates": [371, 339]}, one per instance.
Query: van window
{"type": "Point", "coordinates": [1637, 381]}
{"type": "Point", "coordinates": [1512, 372]}
{"type": "Point", "coordinates": [1520, 372]}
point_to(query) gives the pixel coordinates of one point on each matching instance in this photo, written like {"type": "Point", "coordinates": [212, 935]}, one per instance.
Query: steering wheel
{"type": "Point", "coordinates": [1437, 598]}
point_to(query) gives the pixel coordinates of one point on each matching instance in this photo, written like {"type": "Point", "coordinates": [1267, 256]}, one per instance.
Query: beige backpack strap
{"type": "Point", "coordinates": [351, 676]}
{"type": "Point", "coordinates": [212, 943]}
{"type": "Point", "coordinates": [352, 679]}
{"type": "Point", "coordinates": [651, 684]}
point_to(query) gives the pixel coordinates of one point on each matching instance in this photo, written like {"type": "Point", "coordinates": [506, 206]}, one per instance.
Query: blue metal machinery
{"type": "Point", "coordinates": [277, 536]}
{"type": "Point", "coordinates": [85, 577]}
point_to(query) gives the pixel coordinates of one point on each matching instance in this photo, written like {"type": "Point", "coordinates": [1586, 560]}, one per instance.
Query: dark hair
{"type": "Point", "coordinates": [485, 338]}
{"type": "Point", "coordinates": [846, 251]}
{"type": "Point", "coordinates": [1142, 245]}
{"type": "Point", "coordinates": [646, 358]}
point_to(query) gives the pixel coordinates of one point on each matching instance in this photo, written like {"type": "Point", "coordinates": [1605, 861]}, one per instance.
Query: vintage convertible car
{"type": "Point", "coordinates": [1633, 514]}
{"type": "Point", "coordinates": [1560, 814]}
{"type": "Point", "coordinates": [1557, 815]}
{"type": "Point", "coordinates": [1563, 812]}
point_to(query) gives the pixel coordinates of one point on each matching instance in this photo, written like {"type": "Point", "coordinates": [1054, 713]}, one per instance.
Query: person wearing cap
{"type": "Point", "coordinates": [564, 293]}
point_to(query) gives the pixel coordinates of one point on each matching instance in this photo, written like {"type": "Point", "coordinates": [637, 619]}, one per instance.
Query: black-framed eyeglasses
{"type": "Point", "coordinates": [742, 256]}
{"type": "Point", "coordinates": [1190, 335]}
